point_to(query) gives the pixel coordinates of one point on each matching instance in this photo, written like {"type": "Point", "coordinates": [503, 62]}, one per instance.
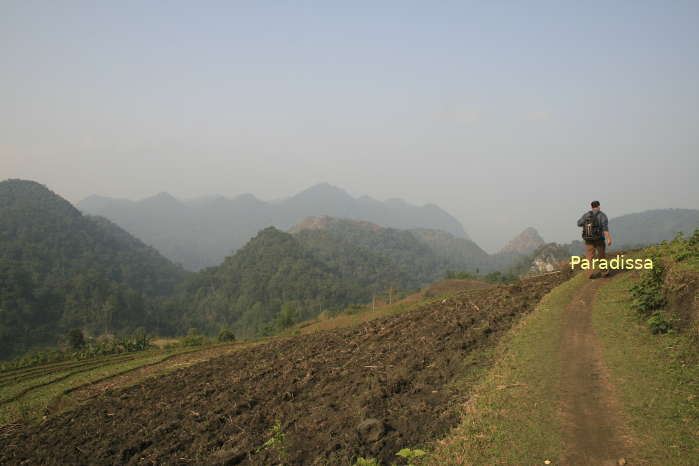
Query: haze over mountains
{"type": "Point", "coordinates": [200, 233]}
{"type": "Point", "coordinates": [61, 269]}
{"type": "Point", "coordinates": [653, 226]}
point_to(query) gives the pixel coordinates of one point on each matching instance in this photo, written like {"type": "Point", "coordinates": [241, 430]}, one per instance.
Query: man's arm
{"type": "Point", "coordinates": [605, 229]}
{"type": "Point", "coordinates": [581, 221]}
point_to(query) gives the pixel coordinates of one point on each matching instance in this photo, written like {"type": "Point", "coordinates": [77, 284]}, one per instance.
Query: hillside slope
{"type": "Point", "coordinates": [333, 396]}
{"type": "Point", "coordinates": [271, 283]}
{"type": "Point", "coordinates": [378, 258]}
{"type": "Point", "coordinates": [652, 226]}
{"type": "Point", "coordinates": [278, 279]}
{"type": "Point", "coordinates": [60, 269]}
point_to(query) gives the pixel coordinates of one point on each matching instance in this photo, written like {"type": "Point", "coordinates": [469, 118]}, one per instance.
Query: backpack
{"type": "Point", "coordinates": [592, 230]}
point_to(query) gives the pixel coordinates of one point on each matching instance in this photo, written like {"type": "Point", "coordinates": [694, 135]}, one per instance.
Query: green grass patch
{"type": "Point", "coordinates": [512, 417]}
{"type": "Point", "coordinates": [656, 376]}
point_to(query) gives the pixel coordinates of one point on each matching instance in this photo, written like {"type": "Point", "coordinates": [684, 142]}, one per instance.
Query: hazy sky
{"type": "Point", "coordinates": [506, 114]}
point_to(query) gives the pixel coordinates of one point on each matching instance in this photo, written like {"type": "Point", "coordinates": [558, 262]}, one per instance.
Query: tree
{"type": "Point", "coordinates": [76, 339]}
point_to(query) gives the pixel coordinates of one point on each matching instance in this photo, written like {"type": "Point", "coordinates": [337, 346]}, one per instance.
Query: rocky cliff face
{"type": "Point", "coordinates": [548, 258]}
{"type": "Point", "coordinates": [524, 243]}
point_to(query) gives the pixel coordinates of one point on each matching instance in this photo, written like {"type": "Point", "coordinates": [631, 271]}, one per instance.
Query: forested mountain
{"type": "Point", "coordinates": [652, 226]}
{"type": "Point", "coordinates": [379, 258]}
{"type": "Point", "coordinates": [203, 232]}
{"type": "Point", "coordinates": [60, 269]}
{"type": "Point", "coordinates": [457, 254]}
{"type": "Point", "coordinates": [272, 282]}
{"type": "Point", "coordinates": [324, 263]}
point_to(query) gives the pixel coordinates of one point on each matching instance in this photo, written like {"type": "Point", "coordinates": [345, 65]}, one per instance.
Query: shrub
{"type": "Point", "coordinates": [354, 309]}
{"type": "Point", "coordinates": [193, 338]}
{"type": "Point", "coordinates": [76, 339]}
{"type": "Point", "coordinates": [411, 455]}
{"type": "Point", "coordinates": [450, 275]}
{"type": "Point", "coordinates": [226, 335]}
{"type": "Point", "coordinates": [648, 294]}
{"type": "Point", "coordinates": [658, 323]}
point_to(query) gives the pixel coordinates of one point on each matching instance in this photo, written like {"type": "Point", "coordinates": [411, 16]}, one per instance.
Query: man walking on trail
{"type": "Point", "coordinates": [595, 231]}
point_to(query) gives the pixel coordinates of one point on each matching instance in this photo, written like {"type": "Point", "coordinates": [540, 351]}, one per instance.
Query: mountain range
{"type": "Point", "coordinates": [62, 269]}
{"type": "Point", "coordinates": [201, 233]}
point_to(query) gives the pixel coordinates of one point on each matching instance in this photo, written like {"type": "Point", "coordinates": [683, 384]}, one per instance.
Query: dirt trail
{"type": "Point", "coordinates": [594, 431]}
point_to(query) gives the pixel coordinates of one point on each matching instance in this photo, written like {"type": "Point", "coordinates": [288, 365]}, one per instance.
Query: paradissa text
{"type": "Point", "coordinates": [615, 263]}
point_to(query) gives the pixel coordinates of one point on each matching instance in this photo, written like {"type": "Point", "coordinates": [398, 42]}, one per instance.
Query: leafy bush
{"type": "Point", "coordinates": [451, 275]}
{"type": "Point", "coordinates": [499, 277]}
{"type": "Point", "coordinates": [354, 309]}
{"type": "Point", "coordinates": [658, 323]}
{"type": "Point", "coordinates": [648, 294]}
{"type": "Point", "coordinates": [193, 338]}
{"type": "Point", "coordinates": [226, 335]}
{"type": "Point", "coordinates": [76, 339]}
{"type": "Point", "coordinates": [411, 455]}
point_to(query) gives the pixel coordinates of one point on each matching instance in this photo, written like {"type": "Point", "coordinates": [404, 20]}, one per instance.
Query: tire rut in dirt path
{"type": "Point", "coordinates": [592, 421]}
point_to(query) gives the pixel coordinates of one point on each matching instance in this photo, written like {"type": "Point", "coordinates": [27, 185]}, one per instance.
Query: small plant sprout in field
{"type": "Point", "coordinates": [411, 455]}
{"type": "Point", "coordinates": [276, 442]}
{"type": "Point", "coordinates": [366, 462]}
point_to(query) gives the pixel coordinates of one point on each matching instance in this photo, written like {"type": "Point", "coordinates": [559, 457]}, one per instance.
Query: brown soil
{"type": "Point", "coordinates": [592, 420]}
{"type": "Point", "coordinates": [453, 285]}
{"type": "Point", "coordinates": [683, 301]}
{"type": "Point", "coordinates": [364, 391]}
{"type": "Point", "coordinates": [86, 392]}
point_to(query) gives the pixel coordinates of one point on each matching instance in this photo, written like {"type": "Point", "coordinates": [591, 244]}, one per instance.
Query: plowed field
{"type": "Point", "coordinates": [364, 391]}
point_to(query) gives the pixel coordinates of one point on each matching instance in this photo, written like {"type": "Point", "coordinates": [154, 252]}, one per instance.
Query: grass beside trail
{"type": "Point", "coordinates": [512, 417]}
{"type": "Point", "coordinates": [656, 377]}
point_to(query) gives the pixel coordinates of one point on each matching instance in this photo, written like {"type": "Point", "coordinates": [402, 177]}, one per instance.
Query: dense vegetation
{"type": "Point", "coordinates": [377, 258]}
{"type": "Point", "coordinates": [654, 292]}
{"type": "Point", "coordinates": [60, 270]}
{"type": "Point", "coordinates": [271, 283]}
{"type": "Point", "coordinates": [455, 253]}
{"type": "Point", "coordinates": [279, 278]}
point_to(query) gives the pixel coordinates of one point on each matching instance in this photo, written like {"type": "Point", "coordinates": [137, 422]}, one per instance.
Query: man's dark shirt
{"type": "Point", "coordinates": [601, 218]}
